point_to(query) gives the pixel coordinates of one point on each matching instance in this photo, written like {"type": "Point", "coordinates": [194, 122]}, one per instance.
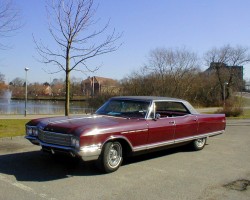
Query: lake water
{"type": "Point", "coordinates": [42, 107]}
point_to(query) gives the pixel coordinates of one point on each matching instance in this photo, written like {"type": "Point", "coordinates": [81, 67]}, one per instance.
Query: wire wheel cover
{"type": "Point", "coordinates": [114, 155]}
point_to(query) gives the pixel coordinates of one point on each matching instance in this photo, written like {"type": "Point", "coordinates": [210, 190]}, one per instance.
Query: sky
{"type": "Point", "coordinates": [145, 24]}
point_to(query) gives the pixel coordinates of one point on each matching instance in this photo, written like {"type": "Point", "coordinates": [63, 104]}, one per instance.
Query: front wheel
{"type": "Point", "coordinates": [111, 157]}
{"type": "Point", "coordinates": [199, 144]}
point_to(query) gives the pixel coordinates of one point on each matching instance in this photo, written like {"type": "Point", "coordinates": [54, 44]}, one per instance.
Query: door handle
{"type": "Point", "coordinates": [171, 122]}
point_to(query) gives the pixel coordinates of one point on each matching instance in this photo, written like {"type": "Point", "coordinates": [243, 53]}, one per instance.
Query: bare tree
{"type": "Point", "coordinates": [2, 78]}
{"type": "Point", "coordinates": [9, 20]}
{"type": "Point", "coordinates": [18, 82]}
{"type": "Point", "coordinates": [70, 23]}
{"type": "Point", "coordinates": [168, 72]}
{"type": "Point", "coordinates": [222, 60]}
{"type": "Point", "coordinates": [2, 83]}
{"type": "Point", "coordinates": [175, 69]}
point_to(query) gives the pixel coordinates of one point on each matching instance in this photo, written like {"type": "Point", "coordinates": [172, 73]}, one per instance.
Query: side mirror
{"type": "Point", "coordinates": [157, 116]}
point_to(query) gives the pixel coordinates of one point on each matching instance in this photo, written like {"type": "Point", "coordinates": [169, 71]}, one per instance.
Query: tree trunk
{"type": "Point", "coordinates": [67, 94]}
{"type": "Point", "coordinates": [67, 73]}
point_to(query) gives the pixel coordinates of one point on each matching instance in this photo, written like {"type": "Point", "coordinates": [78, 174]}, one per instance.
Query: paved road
{"type": "Point", "coordinates": [25, 173]}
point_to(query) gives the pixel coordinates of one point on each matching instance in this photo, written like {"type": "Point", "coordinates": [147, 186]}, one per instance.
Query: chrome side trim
{"type": "Point", "coordinates": [215, 133]}
{"type": "Point", "coordinates": [170, 142]}
{"type": "Point", "coordinates": [135, 131]}
{"type": "Point", "coordinates": [117, 137]}
{"type": "Point", "coordinates": [154, 145]}
{"type": "Point", "coordinates": [199, 136]}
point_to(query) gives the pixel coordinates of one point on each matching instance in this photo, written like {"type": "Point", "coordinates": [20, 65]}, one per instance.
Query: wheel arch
{"type": "Point", "coordinates": [127, 147]}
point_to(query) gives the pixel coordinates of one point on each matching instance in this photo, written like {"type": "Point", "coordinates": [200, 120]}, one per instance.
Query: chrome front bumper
{"type": "Point", "coordinates": [86, 153]}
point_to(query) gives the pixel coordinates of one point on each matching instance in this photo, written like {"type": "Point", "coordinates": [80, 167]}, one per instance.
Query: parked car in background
{"type": "Point", "coordinates": [125, 126]}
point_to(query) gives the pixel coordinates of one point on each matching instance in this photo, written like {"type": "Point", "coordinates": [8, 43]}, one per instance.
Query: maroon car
{"type": "Point", "coordinates": [125, 126]}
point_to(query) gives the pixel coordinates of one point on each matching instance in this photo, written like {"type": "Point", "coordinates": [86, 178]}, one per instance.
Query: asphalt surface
{"type": "Point", "coordinates": [220, 171]}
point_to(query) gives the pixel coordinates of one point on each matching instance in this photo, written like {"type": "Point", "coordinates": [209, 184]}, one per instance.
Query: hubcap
{"type": "Point", "coordinates": [200, 142]}
{"type": "Point", "coordinates": [115, 155]}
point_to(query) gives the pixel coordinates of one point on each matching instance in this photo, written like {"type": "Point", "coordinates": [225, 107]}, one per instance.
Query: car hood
{"type": "Point", "coordinates": [80, 124]}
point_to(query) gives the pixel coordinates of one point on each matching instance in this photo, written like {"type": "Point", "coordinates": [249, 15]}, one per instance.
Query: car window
{"type": "Point", "coordinates": [124, 108]}
{"type": "Point", "coordinates": [170, 109]}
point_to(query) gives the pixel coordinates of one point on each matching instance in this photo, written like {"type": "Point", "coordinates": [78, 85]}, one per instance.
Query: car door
{"type": "Point", "coordinates": [185, 127]}
{"type": "Point", "coordinates": [161, 131]}
{"type": "Point", "coordinates": [161, 127]}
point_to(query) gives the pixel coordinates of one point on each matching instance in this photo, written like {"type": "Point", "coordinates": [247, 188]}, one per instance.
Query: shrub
{"type": "Point", "coordinates": [231, 111]}
{"type": "Point", "coordinates": [232, 108]}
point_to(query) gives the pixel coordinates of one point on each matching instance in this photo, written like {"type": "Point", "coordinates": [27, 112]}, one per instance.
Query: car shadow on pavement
{"type": "Point", "coordinates": [37, 166]}
{"type": "Point", "coordinates": [40, 167]}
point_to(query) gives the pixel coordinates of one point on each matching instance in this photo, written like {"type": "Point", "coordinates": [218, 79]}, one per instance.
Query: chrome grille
{"type": "Point", "coordinates": [55, 138]}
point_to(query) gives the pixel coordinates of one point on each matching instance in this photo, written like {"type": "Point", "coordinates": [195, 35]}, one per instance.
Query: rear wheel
{"type": "Point", "coordinates": [199, 144]}
{"type": "Point", "coordinates": [111, 157]}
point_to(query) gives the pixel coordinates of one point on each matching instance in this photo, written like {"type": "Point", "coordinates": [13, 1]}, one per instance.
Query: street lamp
{"type": "Point", "coordinates": [26, 88]}
{"type": "Point", "coordinates": [224, 94]}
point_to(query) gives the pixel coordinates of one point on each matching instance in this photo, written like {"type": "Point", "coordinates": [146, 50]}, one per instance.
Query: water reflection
{"type": "Point", "coordinates": [42, 107]}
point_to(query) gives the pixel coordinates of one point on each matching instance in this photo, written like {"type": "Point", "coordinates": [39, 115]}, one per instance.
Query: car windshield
{"type": "Point", "coordinates": [125, 108]}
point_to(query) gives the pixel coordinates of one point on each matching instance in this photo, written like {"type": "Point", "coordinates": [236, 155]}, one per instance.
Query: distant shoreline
{"type": "Point", "coordinates": [49, 98]}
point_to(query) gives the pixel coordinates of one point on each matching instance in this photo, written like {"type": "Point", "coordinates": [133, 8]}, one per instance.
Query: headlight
{"type": "Point", "coordinates": [75, 142]}
{"type": "Point", "coordinates": [28, 130]}
{"type": "Point", "coordinates": [33, 131]}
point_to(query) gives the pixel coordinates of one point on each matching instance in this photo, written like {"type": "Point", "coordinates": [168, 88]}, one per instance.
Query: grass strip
{"type": "Point", "coordinates": [12, 127]}
{"type": "Point", "coordinates": [246, 115]}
